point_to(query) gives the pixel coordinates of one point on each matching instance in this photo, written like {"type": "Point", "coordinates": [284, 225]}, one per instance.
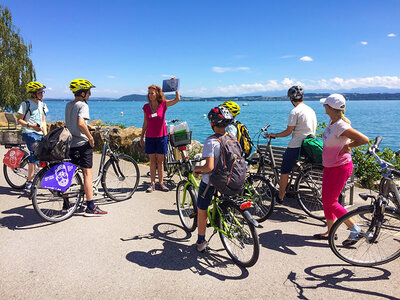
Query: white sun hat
{"type": "Point", "coordinates": [336, 101]}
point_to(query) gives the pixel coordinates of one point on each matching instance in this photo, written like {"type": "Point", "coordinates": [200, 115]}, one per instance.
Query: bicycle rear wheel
{"type": "Point", "coordinates": [17, 178]}
{"type": "Point", "coordinates": [120, 178]}
{"type": "Point", "coordinates": [56, 206]}
{"type": "Point", "coordinates": [259, 191]}
{"type": "Point", "coordinates": [387, 189]}
{"type": "Point", "coordinates": [378, 243]}
{"type": "Point", "coordinates": [186, 204]}
{"type": "Point", "coordinates": [239, 236]}
{"type": "Point", "coordinates": [308, 188]}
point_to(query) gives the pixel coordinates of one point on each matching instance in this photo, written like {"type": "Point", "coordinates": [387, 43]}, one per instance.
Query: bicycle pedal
{"type": "Point", "coordinates": [193, 215]}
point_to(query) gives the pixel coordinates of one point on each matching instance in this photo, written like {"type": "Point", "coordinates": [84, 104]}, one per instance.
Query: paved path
{"type": "Point", "coordinates": [140, 251]}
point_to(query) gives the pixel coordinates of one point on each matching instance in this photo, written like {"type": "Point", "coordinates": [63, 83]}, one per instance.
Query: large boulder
{"type": "Point", "coordinates": [56, 124]}
{"type": "Point", "coordinates": [3, 120]}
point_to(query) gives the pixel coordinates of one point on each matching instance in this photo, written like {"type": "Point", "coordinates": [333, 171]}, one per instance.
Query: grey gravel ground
{"type": "Point", "coordinates": [139, 250]}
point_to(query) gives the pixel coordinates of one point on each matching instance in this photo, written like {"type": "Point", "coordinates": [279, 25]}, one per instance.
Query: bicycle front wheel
{"type": "Point", "coordinates": [56, 206]}
{"type": "Point", "coordinates": [387, 188]}
{"type": "Point", "coordinates": [17, 177]}
{"type": "Point", "coordinates": [238, 235]}
{"type": "Point", "coordinates": [259, 191]}
{"type": "Point", "coordinates": [186, 204]}
{"type": "Point", "coordinates": [308, 187]}
{"type": "Point", "coordinates": [378, 242]}
{"type": "Point", "coordinates": [120, 178]}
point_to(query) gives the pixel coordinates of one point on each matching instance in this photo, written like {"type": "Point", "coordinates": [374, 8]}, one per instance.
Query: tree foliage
{"type": "Point", "coordinates": [16, 68]}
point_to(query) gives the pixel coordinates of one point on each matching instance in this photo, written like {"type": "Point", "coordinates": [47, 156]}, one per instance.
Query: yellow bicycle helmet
{"type": "Point", "coordinates": [233, 107]}
{"type": "Point", "coordinates": [34, 86]}
{"type": "Point", "coordinates": [80, 84]}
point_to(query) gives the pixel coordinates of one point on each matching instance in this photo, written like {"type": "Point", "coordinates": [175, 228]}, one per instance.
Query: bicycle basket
{"type": "Point", "coordinates": [180, 138]}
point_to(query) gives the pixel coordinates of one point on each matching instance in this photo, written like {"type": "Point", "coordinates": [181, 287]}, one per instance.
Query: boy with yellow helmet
{"type": "Point", "coordinates": [81, 152]}
{"type": "Point", "coordinates": [32, 118]}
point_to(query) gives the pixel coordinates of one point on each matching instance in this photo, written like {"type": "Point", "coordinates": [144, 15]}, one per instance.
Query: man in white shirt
{"type": "Point", "coordinates": [302, 122]}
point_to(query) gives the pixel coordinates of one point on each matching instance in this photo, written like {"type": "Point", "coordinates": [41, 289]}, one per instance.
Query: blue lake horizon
{"type": "Point", "coordinates": [373, 118]}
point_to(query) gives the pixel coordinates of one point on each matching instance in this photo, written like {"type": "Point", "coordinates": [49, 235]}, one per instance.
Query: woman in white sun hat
{"type": "Point", "coordinates": [339, 137]}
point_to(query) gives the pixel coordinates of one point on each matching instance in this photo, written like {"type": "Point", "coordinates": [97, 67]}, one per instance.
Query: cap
{"type": "Point", "coordinates": [336, 101]}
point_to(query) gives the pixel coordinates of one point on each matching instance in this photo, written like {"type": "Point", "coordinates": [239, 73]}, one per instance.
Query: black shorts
{"type": "Point", "coordinates": [82, 156]}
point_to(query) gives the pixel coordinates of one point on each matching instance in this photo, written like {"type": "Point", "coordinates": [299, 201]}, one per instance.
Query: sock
{"type": "Point", "coordinates": [355, 228]}
{"type": "Point", "coordinates": [90, 204]}
{"type": "Point", "coordinates": [200, 238]}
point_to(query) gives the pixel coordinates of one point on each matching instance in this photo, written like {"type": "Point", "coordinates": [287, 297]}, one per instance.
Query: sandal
{"type": "Point", "coordinates": [162, 187]}
{"type": "Point", "coordinates": [150, 188]}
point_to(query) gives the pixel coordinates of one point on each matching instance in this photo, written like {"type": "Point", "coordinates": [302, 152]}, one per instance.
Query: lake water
{"type": "Point", "coordinates": [373, 118]}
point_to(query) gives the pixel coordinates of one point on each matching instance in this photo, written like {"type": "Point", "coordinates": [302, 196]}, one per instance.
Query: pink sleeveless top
{"type": "Point", "coordinates": [156, 121]}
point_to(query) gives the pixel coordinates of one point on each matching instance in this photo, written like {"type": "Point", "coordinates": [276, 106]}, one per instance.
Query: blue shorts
{"type": "Point", "coordinates": [289, 159]}
{"type": "Point", "coordinates": [31, 139]}
{"type": "Point", "coordinates": [156, 145]}
{"type": "Point", "coordinates": [203, 203]}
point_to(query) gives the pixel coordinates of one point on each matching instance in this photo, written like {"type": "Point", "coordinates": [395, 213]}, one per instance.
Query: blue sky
{"type": "Point", "coordinates": [216, 48]}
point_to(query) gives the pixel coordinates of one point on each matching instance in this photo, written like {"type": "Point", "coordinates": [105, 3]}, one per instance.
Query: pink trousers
{"type": "Point", "coordinates": [333, 181]}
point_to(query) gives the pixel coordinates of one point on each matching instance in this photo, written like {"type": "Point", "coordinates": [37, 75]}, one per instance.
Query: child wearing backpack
{"type": "Point", "coordinates": [237, 129]}
{"type": "Point", "coordinates": [213, 177]}
{"type": "Point", "coordinates": [32, 118]}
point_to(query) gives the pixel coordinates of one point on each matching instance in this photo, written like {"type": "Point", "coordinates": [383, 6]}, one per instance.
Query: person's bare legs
{"type": "Point", "coordinates": [88, 183]}
{"type": "Point", "coordinates": [153, 167]}
{"type": "Point", "coordinates": [201, 221]}
{"type": "Point", "coordinates": [160, 168]}
{"type": "Point", "coordinates": [283, 182]}
{"type": "Point", "coordinates": [31, 171]}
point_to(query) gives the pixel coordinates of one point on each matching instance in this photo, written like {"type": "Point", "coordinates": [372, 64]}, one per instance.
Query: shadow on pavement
{"type": "Point", "coordinates": [22, 218]}
{"type": "Point", "coordinates": [177, 256]}
{"type": "Point", "coordinates": [332, 276]}
{"type": "Point", "coordinates": [282, 214]}
{"type": "Point", "coordinates": [168, 212]}
{"type": "Point", "coordinates": [283, 242]}
{"type": "Point", "coordinates": [5, 190]}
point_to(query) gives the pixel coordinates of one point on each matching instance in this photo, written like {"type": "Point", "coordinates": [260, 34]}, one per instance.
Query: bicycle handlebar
{"type": "Point", "coordinates": [173, 121]}
{"type": "Point", "coordinates": [372, 151]}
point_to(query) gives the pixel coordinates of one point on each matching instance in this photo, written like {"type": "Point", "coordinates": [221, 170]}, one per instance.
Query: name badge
{"type": "Point", "coordinates": [154, 115]}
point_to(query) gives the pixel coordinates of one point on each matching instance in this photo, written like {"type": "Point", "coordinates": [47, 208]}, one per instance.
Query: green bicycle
{"type": "Point", "coordinates": [228, 215]}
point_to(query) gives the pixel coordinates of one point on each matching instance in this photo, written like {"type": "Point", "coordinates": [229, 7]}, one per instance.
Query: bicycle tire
{"type": "Point", "coordinates": [386, 188]}
{"type": "Point", "coordinates": [261, 197]}
{"type": "Point", "coordinates": [55, 206]}
{"type": "Point", "coordinates": [187, 206]}
{"type": "Point", "coordinates": [126, 185]}
{"type": "Point", "coordinates": [378, 245]}
{"type": "Point", "coordinates": [308, 188]}
{"type": "Point", "coordinates": [170, 170]}
{"type": "Point", "coordinates": [240, 235]}
{"type": "Point", "coordinates": [17, 178]}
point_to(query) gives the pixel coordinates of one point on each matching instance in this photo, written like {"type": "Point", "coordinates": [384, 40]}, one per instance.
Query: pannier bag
{"type": "Point", "coordinates": [230, 170]}
{"type": "Point", "coordinates": [311, 148]}
{"type": "Point", "coordinates": [244, 138]}
{"type": "Point", "coordinates": [55, 145]}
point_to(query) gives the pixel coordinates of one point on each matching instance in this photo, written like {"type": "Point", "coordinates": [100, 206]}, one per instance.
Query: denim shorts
{"type": "Point", "coordinates": [156, 145]}
{"type": "Point", "coordinates": [203, 203]}
{"type": "Point", "coordinates": [289, 159]}
{"type": "Point", "coordinates": [31, 139]}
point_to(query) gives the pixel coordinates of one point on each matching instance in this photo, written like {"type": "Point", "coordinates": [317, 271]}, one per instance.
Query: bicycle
{"type": "Point", "coordinates": [377, 243]}
{"type": "Point", "coordinates": [171, 169]}
{"type": "Point", "coordinates": [228, 215]}
{"type": "Point", "coordinates": [16, 177]}
{"type": "Point", "coordinates": [307, 186]}
{"type": "Point", "coordinates": [389, 184]}
{"type": "Point", "coordinates": [119, 178]}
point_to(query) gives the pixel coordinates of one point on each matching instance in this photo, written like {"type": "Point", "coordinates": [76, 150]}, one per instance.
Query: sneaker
{"type": "Point", "coordinates": [353, 238]}
{"type": "Point", "coordinates": [28, 187]}
{"type": "Point", "coordinates": [96, 212]}
{"type": "Point", "coordinates": [150, 188]}
{"type": "Point", "coordinates": [162, 187]}
{"type": "Point", "coordinates": [202, 246]}
{"type": "Point", "coordinates": [278, 200]}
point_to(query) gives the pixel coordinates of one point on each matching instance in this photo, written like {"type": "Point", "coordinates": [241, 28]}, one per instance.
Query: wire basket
{"type": "Point", "coordinates": [180, 139]}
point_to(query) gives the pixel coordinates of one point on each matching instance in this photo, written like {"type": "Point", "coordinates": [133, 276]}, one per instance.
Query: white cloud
{"type": "Point", "coordinates": [167, 76]}
{"type": "Point", "coordinates": [364, 43]}
{"type": "Point", "coordinates": [288, 56]}
{"type": "Point", "coordinates": [306, 58]}
{"type": "Point", "coordinates": [334, 84]}
{"type": "Point", "coordinates": [391, 35]}
{"type": "Point", "coordinates": [111, 76]}
{"type": "Point", "coordinates": [228, 69]}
